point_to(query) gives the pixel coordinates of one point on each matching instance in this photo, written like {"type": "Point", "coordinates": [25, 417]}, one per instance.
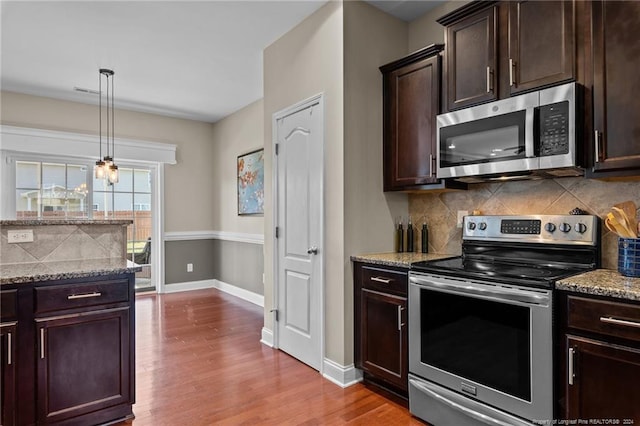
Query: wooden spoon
{"type": "Point", "coordinates": [629, 209]}
{"type": "Point", "coordinates": [617, 219]}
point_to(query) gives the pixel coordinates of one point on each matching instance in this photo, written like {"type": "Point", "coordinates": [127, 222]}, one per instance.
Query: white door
{"type": "Point", "coordinates": [299, 162]}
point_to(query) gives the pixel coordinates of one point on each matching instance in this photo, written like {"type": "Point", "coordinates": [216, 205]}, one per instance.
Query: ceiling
{"type": "Point", "coordinates": [200, 60]}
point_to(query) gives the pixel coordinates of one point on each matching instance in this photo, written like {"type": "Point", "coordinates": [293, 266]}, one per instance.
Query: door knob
{"type": "Point", "coordinates": [312, 250]}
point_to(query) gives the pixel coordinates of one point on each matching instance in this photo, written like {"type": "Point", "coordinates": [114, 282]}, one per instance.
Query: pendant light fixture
{"type": "Point", "coordinates": [105, 166]}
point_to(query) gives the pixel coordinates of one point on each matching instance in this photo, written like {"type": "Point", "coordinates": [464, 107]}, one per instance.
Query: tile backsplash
{"type": "Point", "coordinates": [549, 196]}
{"type": "Point", "coordinates": [55, 243]}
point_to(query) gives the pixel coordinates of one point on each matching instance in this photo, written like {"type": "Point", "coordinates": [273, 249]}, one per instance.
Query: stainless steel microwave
{"type": "Point", "coordinates": [527, 136]}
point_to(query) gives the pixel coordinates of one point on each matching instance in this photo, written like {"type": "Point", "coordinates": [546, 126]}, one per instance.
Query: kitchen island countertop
{"type": "Point", "coordinates": [602, 282]}
{"type": "Point", "coordinates": [18, 273]}
{"type": "Point", "coordinates": [402, 260]}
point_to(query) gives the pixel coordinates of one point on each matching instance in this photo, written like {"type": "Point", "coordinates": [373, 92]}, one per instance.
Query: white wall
{"type": "Point", "coordinates": [237, 134]}
{"type": "Point", "coordinates": [304, 62]}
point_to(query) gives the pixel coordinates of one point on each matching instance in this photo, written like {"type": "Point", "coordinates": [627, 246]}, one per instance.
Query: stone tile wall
{"type": "Point", "coordinates": [55, 243]}
{"type": "Point", "coordinates": [549, 196]}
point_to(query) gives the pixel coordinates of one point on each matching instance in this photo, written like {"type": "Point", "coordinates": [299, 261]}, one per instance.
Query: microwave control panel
{"type": "Point", "coordinates": [554, 129]}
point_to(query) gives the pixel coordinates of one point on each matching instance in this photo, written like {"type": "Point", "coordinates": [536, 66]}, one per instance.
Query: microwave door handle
{"type": "Point", "coordinates": [529, 134]}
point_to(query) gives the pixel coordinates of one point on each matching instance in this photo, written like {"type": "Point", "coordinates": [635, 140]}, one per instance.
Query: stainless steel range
{"type": "Point", "coordinates": [480, 324]}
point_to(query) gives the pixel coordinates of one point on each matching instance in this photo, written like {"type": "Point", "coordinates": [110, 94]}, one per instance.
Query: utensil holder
{"type": "Point", "coordinates": [629, 257]}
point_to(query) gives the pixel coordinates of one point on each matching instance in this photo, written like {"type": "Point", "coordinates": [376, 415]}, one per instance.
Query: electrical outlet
{"type": "Point", "coordinates": [461, 215]}
{"type": "Point", "coordinates": [20, 236]}
{"type": "Point", "coordinates": [189, 267]}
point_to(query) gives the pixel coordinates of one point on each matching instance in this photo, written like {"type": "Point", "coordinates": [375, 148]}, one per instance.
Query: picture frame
{"type": "Point", "coordinates": [250, 168]}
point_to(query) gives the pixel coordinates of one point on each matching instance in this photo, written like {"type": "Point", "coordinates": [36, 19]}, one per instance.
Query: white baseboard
{"type": "Point", "coordinates": [267, 337]}
{"type": "Point", "coordinates": [249, 296]}
{"type": "Point", "coordinates": [343, 376]}
{"type": "Point", "coordinates": [190, 285]}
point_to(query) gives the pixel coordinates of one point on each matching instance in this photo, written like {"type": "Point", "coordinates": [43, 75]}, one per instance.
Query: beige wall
{"type": "Point", "coordinates": [371, 38]}
{"type": "Point", "coordinates": [238, 133]}
{"type": "Point", "coordinates": [304, 62]}
{"type": "Point", "coordinates": [188, 196]}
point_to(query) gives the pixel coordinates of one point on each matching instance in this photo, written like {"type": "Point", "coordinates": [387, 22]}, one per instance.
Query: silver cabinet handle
{"type": "Point", "coordinates": [400, 323]}
{"type": "Point", "coordinates": [488, 79]}
{"type": "Point", "coordinates": [42, 343]}
{"type": "Point", "coordinates": [381, 280]}
{"type": "Point", "coordinates": [615, 321]}
{"type": "Point", "coordinates": [9, 349]}
{"type": "Point", "coordinates": [84, 295]}
{"type": "Point", "coordinates": [596, 143]}
{"type": "Point", "coordinates": [572, 353]}
{"type": "Point", "coordinates": [512, 65]}
{"type": "Point", "coordinates": [312, 250]}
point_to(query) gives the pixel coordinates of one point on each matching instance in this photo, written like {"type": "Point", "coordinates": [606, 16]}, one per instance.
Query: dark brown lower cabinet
{"type": "Point", "coordinates": [8, 372]}
{"type": "Point", "coordinates": [381, 331]}
{"type": "Point", "coordinates": [604, 383]}
{"type": "Point", "coordinates": [83, 364]}
{"type": "Point", "coordinates": [599, 360]}
{"type": "Point", "coordinates": [72, 346]}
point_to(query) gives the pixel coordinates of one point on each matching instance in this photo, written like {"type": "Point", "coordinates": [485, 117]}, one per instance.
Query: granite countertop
{"type": "Point", "coordinates": [602, 282]}
{"type": "Point", "coordinates": [39, 222]}
{"type": "Point", "coordinates": [18, 273]}
{"type": "Point", "coordinates": [403, 260]}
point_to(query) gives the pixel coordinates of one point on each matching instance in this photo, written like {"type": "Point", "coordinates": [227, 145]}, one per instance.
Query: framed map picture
{"type": "Point", "coordinates": [251, 183]}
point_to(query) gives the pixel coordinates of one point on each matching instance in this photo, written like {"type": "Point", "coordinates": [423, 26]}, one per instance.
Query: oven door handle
{"type": "Point", "coordinates": [469, 412]}
{"type": "Point", "coordinates": [517, 296]}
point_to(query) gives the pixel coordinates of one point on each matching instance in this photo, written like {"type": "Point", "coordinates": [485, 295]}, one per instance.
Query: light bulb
{"type": "Point", "coordinates": [113, 174]}
{"type": "Point", "coordinates": [100, 169]}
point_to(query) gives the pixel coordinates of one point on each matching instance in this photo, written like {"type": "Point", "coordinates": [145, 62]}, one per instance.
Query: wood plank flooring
{"type": "Point", "coordinates": [199, 361]}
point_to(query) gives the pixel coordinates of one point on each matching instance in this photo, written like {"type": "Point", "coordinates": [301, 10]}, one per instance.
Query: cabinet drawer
{"type": "Point", "coordinates": [385, 280]}
{"type": "Point", "coordinates": [604, 317]}
{"type": "Point", "coordinates": [8, 305]}
{"type": "Point", "coordinates": [60, 297]}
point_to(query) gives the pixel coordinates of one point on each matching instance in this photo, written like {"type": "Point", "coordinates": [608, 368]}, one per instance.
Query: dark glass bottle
{"type": "Point", "coordinates": [424, 240]}
{"type": "Point", "coordinates": [400, 238]}
{"type": "Point", "coordinates": [409, 236]}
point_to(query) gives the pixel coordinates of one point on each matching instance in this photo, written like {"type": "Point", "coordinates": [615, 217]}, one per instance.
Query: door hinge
{"type": "Point", "coordinates": [277, 148]}
{"type": "Point", "coordinates": [275, 313]}
{"type": "Point", "coordinates": [277, 232]}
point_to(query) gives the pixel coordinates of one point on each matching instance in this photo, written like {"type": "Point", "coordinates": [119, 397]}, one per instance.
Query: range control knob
{"type": "Point", "coordinates": [549, 227]}
{"type": "Point", "coordinates": [482, 226]}
{"type": "Point", "coordinates": [581, 228]}
{"type": "Point", "coordinates": [565, 227]}
{"type": "Point", "coordinates": [471, 226]}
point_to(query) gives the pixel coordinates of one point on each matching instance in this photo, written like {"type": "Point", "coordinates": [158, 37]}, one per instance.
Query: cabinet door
{"type": "Point", "coordinates": [412, 103]}
{"type": "Point", "coordinates": [471, 60]}
{"type": "Point", "coordinates": [541, 43]}
{"type": "Point", "coordinates": [604, 381]}
{"type": "Point", "coordinates": [383, 337]}
{"type": "Point", "coordinates": [83, 363]}
{"type": "Point", "coordinates": [8, 371]}
{"type": "Point", "coordinates": [616, 104]}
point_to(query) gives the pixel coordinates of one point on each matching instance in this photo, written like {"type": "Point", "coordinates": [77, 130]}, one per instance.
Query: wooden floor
{"type": "Point", "coordinates": [200, 362]}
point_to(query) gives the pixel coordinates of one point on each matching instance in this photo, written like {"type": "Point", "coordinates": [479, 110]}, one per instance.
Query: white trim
{"type": "Point", "coordinates": [188, 286]}
{"type": "Point", "coordinates": [79, 145]}
{"type": "Point", "coordinates": [249, 296]}
{"type": "Point", "coordinates": [267, 337]}
{"type": "Point", "coordinates": [215, 235]}
{"type": "Point", "coordinates": [343, 376]}
{"type": "Point", "coordinates": [157, 254]}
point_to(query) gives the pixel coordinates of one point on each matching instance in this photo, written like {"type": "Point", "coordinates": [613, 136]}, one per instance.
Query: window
{"type": "Point", "coordinates": [48, 190]}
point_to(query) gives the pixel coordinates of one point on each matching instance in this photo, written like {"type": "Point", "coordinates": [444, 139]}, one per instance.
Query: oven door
{"type": "Point", "coordinates": [488, 139]}
{"type": "Point", "coordinates": [492, 343]}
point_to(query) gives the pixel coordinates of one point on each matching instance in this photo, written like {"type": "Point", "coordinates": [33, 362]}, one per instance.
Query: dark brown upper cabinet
{"type": "Point", "coordinates": [616, 89]}
{"type": "Point", "coordinates": [411, 102]}
{"type": "Point", "coordinates": [498, 49]}
{"type": "Point", "coordinates": [471, 60]}
{"type": "Point", "coordinates": [541, 44]}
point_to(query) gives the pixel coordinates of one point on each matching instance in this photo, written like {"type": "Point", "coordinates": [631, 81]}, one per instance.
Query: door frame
{"type": "Point", "coordinates": [292, 109]}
